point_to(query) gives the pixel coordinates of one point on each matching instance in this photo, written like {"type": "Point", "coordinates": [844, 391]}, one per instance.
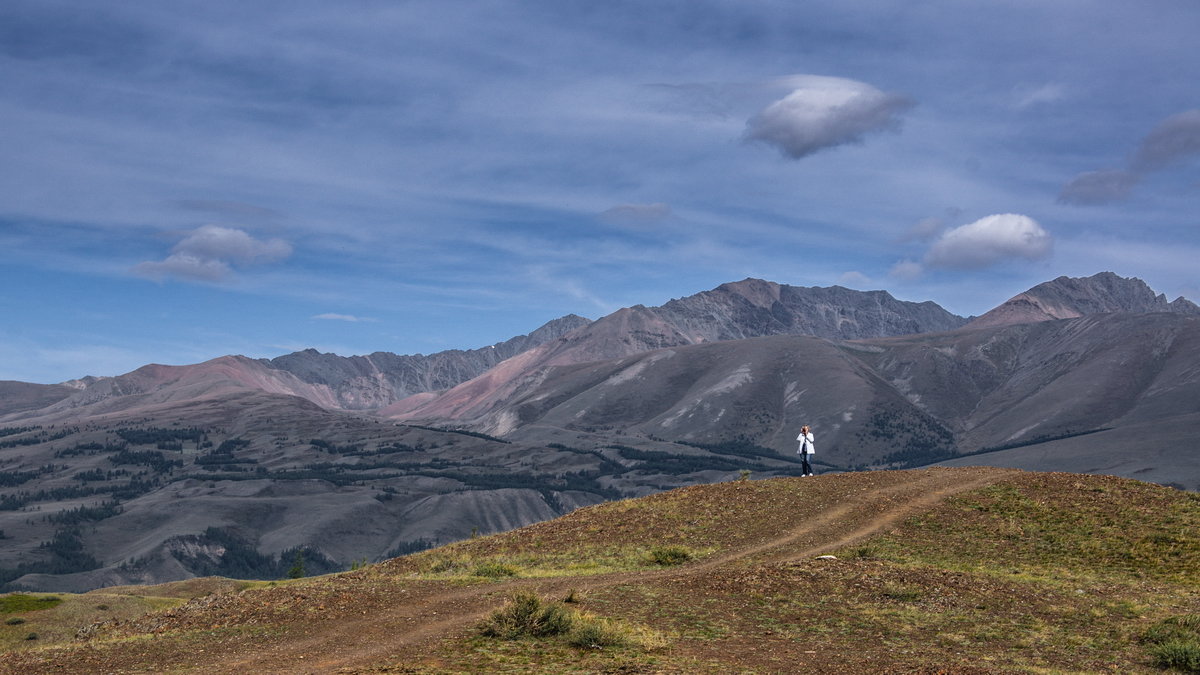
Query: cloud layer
{"type": "Point", "coordinates": [824, 112]}
{"type": "Point", "coordinates": [990, 240]}
{"type": "Point", "coordinates": [210, 253]}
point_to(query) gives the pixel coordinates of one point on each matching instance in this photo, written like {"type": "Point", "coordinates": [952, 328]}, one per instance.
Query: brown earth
{"type": "Point", "coordinates": [389, 618]}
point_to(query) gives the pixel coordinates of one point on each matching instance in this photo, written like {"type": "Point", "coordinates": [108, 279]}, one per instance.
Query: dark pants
{"type": "Point", "coordinates": [804, 465]}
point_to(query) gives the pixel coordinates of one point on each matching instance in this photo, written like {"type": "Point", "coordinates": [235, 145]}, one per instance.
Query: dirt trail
{"type": "Point", "coordinates": [355, 643]}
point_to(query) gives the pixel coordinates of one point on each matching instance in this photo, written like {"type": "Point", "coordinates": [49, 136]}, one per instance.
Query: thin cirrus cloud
{"type": "Point", "coordinates": [211, 253]}
{"type": "Point", "coordinates": [350, 318]}
{"type": "Point", "coordinates": [988, 241]}
{"type": "Point", "coordinates": [824, 112]}
{"type": "Point", "coordinates": [1171, 142]}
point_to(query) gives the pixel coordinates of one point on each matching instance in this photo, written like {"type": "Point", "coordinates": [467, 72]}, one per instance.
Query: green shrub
{"type": "Point", "coordinates": [864, 552]}
{"type": "Point", "coordinates": [14, 621]}
{"type": "Point", "coordinates": [526, 615]}
{"type": "Point", "coordinates": [1175, 642]}
{"type": "Point", "coordinates": [494, 570]}
{"type": "Point", "coordinates": [593, 632]}
{"type": "Point", "coordinates": [902, 593]}
{"type": "Point", "coordinates": [1178, 654]}
{"type": "Point", "coordinates": [669, 555]}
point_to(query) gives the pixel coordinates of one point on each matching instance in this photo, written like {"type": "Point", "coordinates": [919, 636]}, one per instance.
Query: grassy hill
{"type": "Point", "coordinates": [973, 570]}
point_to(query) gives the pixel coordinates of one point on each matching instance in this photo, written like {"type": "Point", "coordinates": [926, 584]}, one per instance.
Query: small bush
{"type": "Point", "coordinates": [865, 552]}
{"type": "Point", "coordinates": [669, 555]}
{"type": "Point", "coordinates": [1175, 643]}
{"type": "Point", "coordinates": [442, 564]}
{"type": "Point", "coordinates": [494, 570]}
{"type": "Point", "coordinates": [31, 636]}
{"type": "Point", "coordinates": [1181, 655]}
{"type": "Point", "coordinates": [592, 632]}
{"type": "Point", "coordinates": [526, 615]}
{"type": "Point", "coordinates": [14, 621]}
{"type": "Point", "coordinates": [595, 632]}
{"type": "Point", "coordinates": [902, 593]}
{"type": "Point", "coordinates": [574, 597]}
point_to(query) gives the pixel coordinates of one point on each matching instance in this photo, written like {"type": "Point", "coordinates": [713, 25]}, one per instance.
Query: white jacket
{"type": "Point", "coordinates": [806, 439]}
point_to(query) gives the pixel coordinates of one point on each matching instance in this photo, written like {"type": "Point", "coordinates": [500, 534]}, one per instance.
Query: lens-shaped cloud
{"type": "Point", "coordinates": [990, 240]}
{"type": "Point", "coordinates": [824, 112]}
{"type": "Point", "coordinates": [209, 253]}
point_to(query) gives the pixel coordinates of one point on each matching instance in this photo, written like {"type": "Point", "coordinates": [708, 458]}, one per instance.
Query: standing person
{"type": "Point", "coordinates": [806, 449]}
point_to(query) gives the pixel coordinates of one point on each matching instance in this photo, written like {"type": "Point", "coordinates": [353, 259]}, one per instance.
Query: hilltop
{"type": "Point", "coordinates": [940, 570]}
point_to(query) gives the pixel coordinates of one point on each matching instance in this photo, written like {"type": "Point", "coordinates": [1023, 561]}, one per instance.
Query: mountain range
{"type": "Point", "coordinates": [232, 465]}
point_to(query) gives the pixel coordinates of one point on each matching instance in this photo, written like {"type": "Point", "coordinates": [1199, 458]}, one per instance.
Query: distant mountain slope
{"type": "Point", "coordinates": [733, 311]}
{"type": "Point", "coordinates": [885, 401]}
{"type": "Point", "coordinates": [18, 397]}
{"type": "Point", "coordinates": [1067, 298]}
{"type": "Point", "coordinates": [381, 378]}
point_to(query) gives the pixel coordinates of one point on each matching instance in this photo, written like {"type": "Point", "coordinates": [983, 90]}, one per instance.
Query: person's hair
{"type": "Point", "coordinates": [804, 429]}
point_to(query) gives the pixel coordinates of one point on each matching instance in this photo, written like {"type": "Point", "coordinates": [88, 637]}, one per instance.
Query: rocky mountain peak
{"type": "Point", "coordinates": [1070, 297]}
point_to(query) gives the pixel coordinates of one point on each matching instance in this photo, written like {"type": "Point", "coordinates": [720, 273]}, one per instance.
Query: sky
{"type": "Point", "coordinates": [183, 180]}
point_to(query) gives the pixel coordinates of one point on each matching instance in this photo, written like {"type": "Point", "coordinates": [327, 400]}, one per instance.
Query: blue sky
{"type": "Point", "coordinates": [182, 180]}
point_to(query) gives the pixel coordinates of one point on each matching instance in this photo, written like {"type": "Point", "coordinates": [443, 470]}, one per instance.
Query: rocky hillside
{"type": "Point", "coordinates": [734, 311]}
{"type": "Point", "coordinates": [969, 571]}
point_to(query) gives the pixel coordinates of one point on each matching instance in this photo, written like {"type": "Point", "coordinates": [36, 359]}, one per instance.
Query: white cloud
{"type": "Point", "coordinates": [824, 112]}
{"type": "Point", "coordinates": [990, 240]}
{"type": "Point", "coordinates": [1098, 187]}
{"type": "Point", "coordinates": [209, 253]}
{"type": "Point", "coordinates": [906, 270]}
{"type": "Point", "coordinates": [343, 317]}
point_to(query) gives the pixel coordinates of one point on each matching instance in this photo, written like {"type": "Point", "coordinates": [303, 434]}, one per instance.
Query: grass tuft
{"type": "Point", "coordinates": [495, 570]}
{"type": "Point", "coordinates": [668, 555]}
{"type": "Point", "coordinates": [527, 615]}
{"type": "Point", "coordinates": [1175, 643]}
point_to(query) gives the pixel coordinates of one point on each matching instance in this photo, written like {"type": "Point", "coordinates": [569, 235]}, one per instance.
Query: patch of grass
{"type": "Point", "coordinates": [1060, 528]}
{"type": "Point", "coordinates": [902, 593]}
{"type": "Point", "coordinates": [1175, 643]}
{"type": "Point", "coordinates": [527, 615]}
{"type": "Point", "coordinates": [668, 555]}
{"type": "Point", "coordinates": [23, 602]}
{"type": "Point", "coordinates": [1177, 654]}
{"type": "Point", "coordinates": [14, 621]}
{"type": "Point", "coordinates": [494, 570]}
